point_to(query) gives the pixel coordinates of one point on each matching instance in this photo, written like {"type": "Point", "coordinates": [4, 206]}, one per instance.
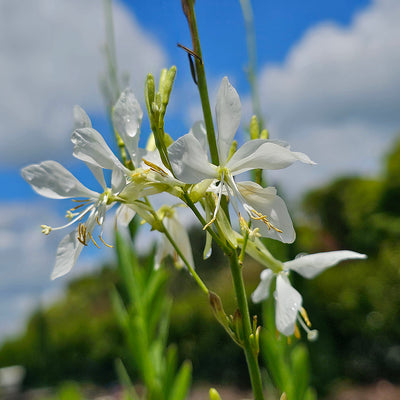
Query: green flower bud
{"type": "Point", "coordinates": [150, 92]}
{"type": "Point", "coordinates": [264, 134]}
{"type": "Point", "coordinates": [167, 87]}
{"type": "Point", "coordinates": [214, 395]}
{"type": "Point", "coordinates": [163, 75]}
{"type": "Point", "coordinates": [254, 128]}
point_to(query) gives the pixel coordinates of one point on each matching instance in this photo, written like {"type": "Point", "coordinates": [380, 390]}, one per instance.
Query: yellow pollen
{"type": "Point", "coordinates": [97, 220]}
{"type": "Point", "coordinates": [80, 201]}
{"type": "Point", "coordinates": [297, 332]}
{"type": "Point", "coordinates": [46, 229]}
{"type": "Point", "coordinates": [155, 167]}
{"type": "Point", "coordinates": [260, 217]}
{"type": "Point", "coordinates": [303, 313]}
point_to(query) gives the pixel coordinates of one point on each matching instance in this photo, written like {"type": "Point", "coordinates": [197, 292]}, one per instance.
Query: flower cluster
{"type": "Point", "coordinates": [182, 168]}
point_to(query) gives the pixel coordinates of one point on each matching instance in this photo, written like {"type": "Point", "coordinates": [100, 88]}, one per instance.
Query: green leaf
{"type": "Point", "coordinates": [125, 381]}
{"type": "Point", "coordinates": [182, 382]}
{"type": "Point", "coordinates": [300, 369]}
{"type": "Point", "coordinates": [171, 362]}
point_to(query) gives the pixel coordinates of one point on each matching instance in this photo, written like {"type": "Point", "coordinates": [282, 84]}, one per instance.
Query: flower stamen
{"type": "Point", "coordinates": [46, 229]}
{"type": "Point", "coordinates": [82, 230]}
{"type": "Point", "coordinates": [70, 215]}
{"type": "Point", "coordinates": [105, 244]}
{"type": "Point", "coordinates": [155, 167]}
{"type": "Point", "coordinates": [312, 334]}
{"type": "Point", "coordinates": [218, 203]}
{"type": "Point", "coordinates": [260, 217]}
{"type": "Point", "coordinates": [94, 242]}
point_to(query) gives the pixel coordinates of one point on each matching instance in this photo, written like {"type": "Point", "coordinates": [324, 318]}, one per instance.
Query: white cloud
{"type": "Point", "coordinates": [51, 59]}
{"type": "Point", "coordinates": [26, 261]}
{"type": "Point", "coordinates": [337, 95]}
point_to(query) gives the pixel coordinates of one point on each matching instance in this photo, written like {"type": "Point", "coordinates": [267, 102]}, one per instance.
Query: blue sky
{"type": "Point", "coordinates": [328, 81]}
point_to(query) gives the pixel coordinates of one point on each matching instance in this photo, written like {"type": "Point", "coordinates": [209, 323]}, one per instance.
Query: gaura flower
{"type": "Point", "coordinates": [190, 163]}
{"type": "Point", "coordinates": [288, 301]}
{"type": "Point", "coordinates": [179, 235]}
{"type": "Point", "coordinates": [51, 179]}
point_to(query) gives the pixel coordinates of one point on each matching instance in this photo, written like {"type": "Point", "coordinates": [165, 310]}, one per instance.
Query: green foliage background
{"type": "Point", "coordinates": [355, 306]}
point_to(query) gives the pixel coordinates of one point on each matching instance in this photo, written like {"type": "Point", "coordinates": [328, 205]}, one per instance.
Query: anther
{"type": "Point", "coordinates": [303, 313]}
{"type": "Point", "coordinates": [82, 234]}
{"type": "Point", "coordinates": [155, 167]}
{"type": "Point", "coordinates": [260, 217]}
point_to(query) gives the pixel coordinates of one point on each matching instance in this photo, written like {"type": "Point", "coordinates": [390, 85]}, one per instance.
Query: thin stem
{"type": "Point", "coordinates": [194, 274]}
{"type": "Point", "coordinates": [188, 9]}
{"type": "Point", "coordinates": [252, 53]}
{"type": "Point", "coordinates": [110, 51]}
{"type": "Point", "coordinates": [196, 277]}
{"type": "Point", "coordinates": [196, 212]}
{"type": "Point", "coordinates": [251, 356]}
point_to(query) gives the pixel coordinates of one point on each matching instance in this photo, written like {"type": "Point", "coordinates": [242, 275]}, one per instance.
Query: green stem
{"type": "Point", "coordinates": [188, 9]}
{"type": "Point", "coordinates": [252, 53]}
{"type": "Point", "coordinates": [251, 357]}
{"type": "Point", "coordinates": [196, 277]}
{"type": "Point", "coordinates": [196, 212]}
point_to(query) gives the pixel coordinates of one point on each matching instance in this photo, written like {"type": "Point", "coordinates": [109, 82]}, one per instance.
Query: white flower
{"type": "Point", "coordinates": [189, 160]}
{"type": "Point", "coordinates": [178, 234]}
{"type": "Point", "coordinates": [50, 179]}
{"type": "Point", "coordinates": [288, 300]}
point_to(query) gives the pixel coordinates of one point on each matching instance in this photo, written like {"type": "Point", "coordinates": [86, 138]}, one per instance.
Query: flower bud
{"type": "Point", "coordinates": [214, 395]}
{"type": "Point", "coordinates": [150, 92]}
{"type": "Point", "coordinates": [254, 128]}
{"type": "Point", "coordinates": [264, 134]}
{"type": "Point", "coordinates": [167, 87]}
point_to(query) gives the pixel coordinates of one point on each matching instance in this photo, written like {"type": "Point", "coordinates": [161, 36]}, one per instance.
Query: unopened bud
{"type": "Point", "coordinates": [199, 190]}
{"type": "Point", "coordinates": [264, 134]}
{"type": "Point", "coordinates": [233, 149]}
{"type": "Point", "coordinates": [214, 395]}
{"type": "Point", "coordinates": [254, 128]}
{"type": "Point", "coordinates": [218, 309]}
{"type": "Point", "coordinates": [150, 92]}
{"type": "Point", "coordinates": [168, 83]}
{"type": "Point", "coordinates": [163, 75]}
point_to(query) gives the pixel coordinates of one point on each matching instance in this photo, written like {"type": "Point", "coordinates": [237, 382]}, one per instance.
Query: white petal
{"type": "Point", "coordinates": [164, 249]}
{"type": "Point", "coordinates": [311, 265]}
{"type": "Point", "coordinates": [81, 119]}
{"type": "Point", "coordinates": [263, 154]}
{"type": "Point", "coordinates": [199, 132]}
{"type": "Point", "coordinates": [118, 180]}
{"type": "Point", "coordinates": [189, 161]}
{"type": "Point", "coordinates": [98, 174]}
{"type": "Point", "coordinates": [89, 146]}
{"type": "Point", "coordinates": [67, 253]}
{"type": "Point", "coordinates": [262, 291]}
{"type": "Point", "coordinates": [124, 215]}
{"type": "Point", "coordinates": [51, 179]}
{"type": "Point", "coordinates": [288, 303]}
{"type": "Point", "coordinates": [228, 112]}
{"type": "Point", "coordinates": [127, 118]}
{"type": "Point", "coordinates": [181, 238]}
{"type": "Point", "coordinates": [266, 202]}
